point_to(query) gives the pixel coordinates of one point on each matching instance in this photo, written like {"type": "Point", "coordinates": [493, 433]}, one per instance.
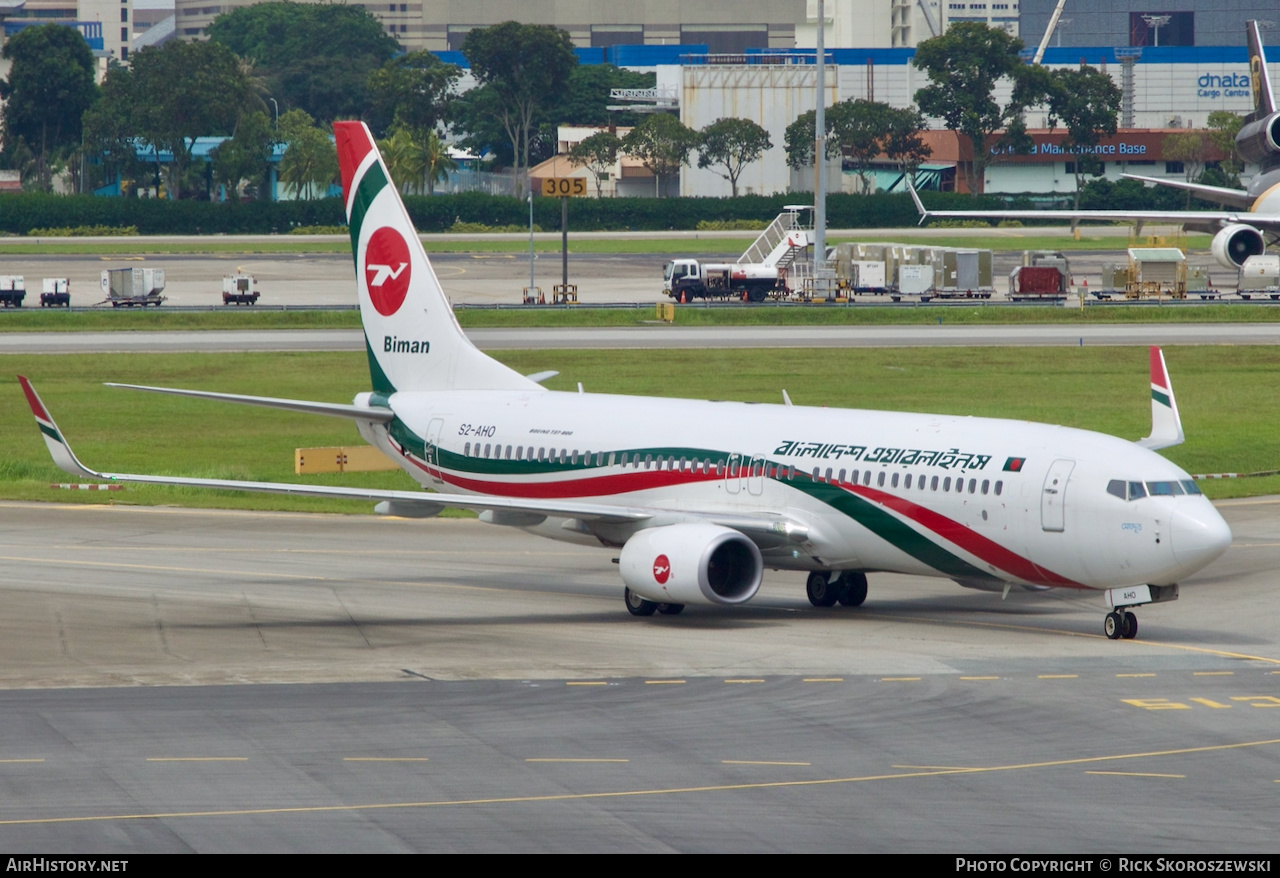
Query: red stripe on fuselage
{"type": "Point", "coordinates": [353, 145]}
{"type": "Point", "coordinates": [973, 543]}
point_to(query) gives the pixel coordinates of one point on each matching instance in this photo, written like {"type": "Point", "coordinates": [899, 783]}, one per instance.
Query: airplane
{"type": "Point", "coordinates": [698, 498]}
{"type": "Point", "coordinates": [1237, 234]}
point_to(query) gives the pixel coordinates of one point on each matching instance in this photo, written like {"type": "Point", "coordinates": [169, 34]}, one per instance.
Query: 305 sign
{"type": "Point", "coordinates": [564, 187]}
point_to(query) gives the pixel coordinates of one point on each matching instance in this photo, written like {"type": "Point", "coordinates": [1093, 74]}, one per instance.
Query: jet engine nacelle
{"type": "Point", "coordinates": [693, 563]}
{"type": "Point", "coordinates": [1259, 142]}
{"type": "Point", "coordinates": [1236, 243]}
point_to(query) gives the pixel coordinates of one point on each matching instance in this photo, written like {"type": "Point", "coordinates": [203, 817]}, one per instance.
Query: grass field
{"type": "Point", "coordinates": [142, 320]}
{"type": "Point", "coordinates": [1226, 396]}
{"type": "Point", "coordinates": [704, 243]}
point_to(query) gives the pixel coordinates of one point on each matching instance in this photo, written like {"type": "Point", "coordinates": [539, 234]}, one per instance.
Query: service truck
{"type": "Point", "coordinates": [759, 271]}
{"type": "Point", "coordinates": [126, 287]}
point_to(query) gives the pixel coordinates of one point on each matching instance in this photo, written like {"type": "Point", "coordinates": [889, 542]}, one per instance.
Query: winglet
{"type": "Point", "coordinates": [915, 196]}
{"type": "Point", "coordinates": [58, 447]}
{"type": "Point", "coordinates": [1166, 425]}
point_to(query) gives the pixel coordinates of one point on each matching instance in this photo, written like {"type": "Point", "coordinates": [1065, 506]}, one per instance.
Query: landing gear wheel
{"type": "Point", "coordinates": [1129, 629]}
{"type": "Point", "coordinates": [636, 605]}
{"type": "Point", "coordinates": [1113, 625]}
{"type": "Point", "coordinates": [821, 591]}
{"type": "Point", "coordinates": [852, 588]}
{"type": "Point", "coordinates": [670, 609]}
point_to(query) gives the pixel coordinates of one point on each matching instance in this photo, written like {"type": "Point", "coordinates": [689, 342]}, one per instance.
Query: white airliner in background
{"type": "Point", "coordinates": [700, 497]}
{"type": "Point", "coordinates": [1237, 234]}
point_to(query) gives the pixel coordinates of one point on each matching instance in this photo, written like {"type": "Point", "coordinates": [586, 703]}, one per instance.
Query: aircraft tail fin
{"type": "Point", "coordinates": [1264, 102]}
{"type": "Point", "coordinates": [413, 340]}
{"type": "Point", "coordinates": [61, 452]}
{"type": "Point", "coordinates": [1166, 424]}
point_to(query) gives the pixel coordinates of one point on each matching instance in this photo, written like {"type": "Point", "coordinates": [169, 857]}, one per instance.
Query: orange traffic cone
{"type": "Point", "coordinates": [684, 297]}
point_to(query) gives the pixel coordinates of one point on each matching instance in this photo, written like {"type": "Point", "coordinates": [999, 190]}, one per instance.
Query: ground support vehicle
{"type": "Point", "coordinates": [1044, 275]}
{"type": "Point", "coordinates": [55, 292]}
{"type": "Point", "coordinates": [13, 289]}
{"type": "Point", "coordinates": [1151, 273]}
{"type": "Point", "coordinates": [239, 289]}
{"type": "Point", "coordinates": [1259, 276]}
{"type": "Point", "coordinates": [127, 287]}
{"type": "Point", "coordinates": [762, 269]}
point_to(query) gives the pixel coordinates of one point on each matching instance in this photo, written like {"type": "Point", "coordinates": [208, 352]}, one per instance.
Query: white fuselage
{"type": "Point", "coordinates": [978, 500]}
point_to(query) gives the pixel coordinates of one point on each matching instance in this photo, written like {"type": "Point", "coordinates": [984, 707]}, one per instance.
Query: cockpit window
{"type": "Point", "coordinates": [1164, 489]}
{"type": "Point", "coordinates": [1191, 487]}
{"type": "Point", "coordinates": [1136, 490]}
{"type": "Point", "coordinates": [1116, 488]}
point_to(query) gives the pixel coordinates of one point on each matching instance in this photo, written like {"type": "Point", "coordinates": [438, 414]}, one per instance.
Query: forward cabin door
{"type": "Point", "coordinates": [1053, 499]}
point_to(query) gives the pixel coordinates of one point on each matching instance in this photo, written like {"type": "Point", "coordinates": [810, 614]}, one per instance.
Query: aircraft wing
{"type": "Point", "coordinates": [1217, 194]}
{"type": "Point", "coordinates": [764, 528]}
{"type": "Point", "coordinates": [355, 412]}
{"type": "Point", "coordinates": [1203, 218]}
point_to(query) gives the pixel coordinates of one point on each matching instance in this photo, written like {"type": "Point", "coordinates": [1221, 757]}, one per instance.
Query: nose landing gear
{"type": "Point", "coordinates": [1120, 623]}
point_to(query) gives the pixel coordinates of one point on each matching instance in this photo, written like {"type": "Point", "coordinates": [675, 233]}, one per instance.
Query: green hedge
{"type": "Point", "coordinates": [19, 214]}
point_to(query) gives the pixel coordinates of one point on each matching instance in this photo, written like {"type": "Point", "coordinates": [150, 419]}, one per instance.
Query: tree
{"type": "Point", "coordinates": [524, 67]}
{"type": "Point", "coordinates": [799, 138]}
{"type": "Point", "coordinates": [246, 157]}
{"type": "Point", "coordinates": [1189, 148]}
{"type": "Point", "coordinates": [963, 65]}
{"type": "Point", "coordinates": [663, 143]}
{"type": "Point", "coordinates": [50, 86]}
{"type": "Point", "coordinates": [732, 144]}
{"type": "Point", "coordinates": [598, 154]}
{"type": "Point", "coordinates": [862, 131]}
{"type": "Point", "coordinates": [902, 141]}
{"type": "Point", "coordinates": [585, 101]}
{"type": "Point", "coordinates": [184, 91]}
{"type": "Point", "coordinates": [310, 163]}
{"type": "Point", "coordinates": [1087, 102]}
{"type": "Point", "coordinates": [1223, 128]}
{"type": "Point", "coordinates": [414, 91]}
{"type": "Point", "coordinates": [312, 56]}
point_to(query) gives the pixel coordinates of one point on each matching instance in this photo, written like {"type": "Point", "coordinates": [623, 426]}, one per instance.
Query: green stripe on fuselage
{"type": "Point", "coordinates": [370, 185]}
{"type": "Point", "coordinates": [894, 531]}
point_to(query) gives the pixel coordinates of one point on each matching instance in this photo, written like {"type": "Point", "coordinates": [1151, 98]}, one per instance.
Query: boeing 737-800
{"type": "Point", "coordinates": [698, 498]}
{"type": "Point", "coordinates": [1237, 234]}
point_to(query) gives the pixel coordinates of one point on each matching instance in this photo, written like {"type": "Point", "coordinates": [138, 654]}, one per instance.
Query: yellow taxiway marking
{"type": "Point", "coordinates": [1135, 675]}
{"type": "Point", "coordinates": [1057, 676]}
{"type": "Point", "coordinates": [758, 762]}
{"type": "Point", "coordinates": [745, 681]}
{"type": "Point", "coordinates": [900, 679]}
{"type": "Point", "coordinates": [662, 682]}
{"type": "Point", "coordinates": [566, 759]}
{"type": "Point", "coordinates": [586, 683]}
{"type": "Point", "coordinates": [841, 679]}
{"type": "Point", "coordinates": [18, 761]}
{"type": "Point", "coordinates": [384, 758]}
{"type": "Point", "coordinates": [979, 678]}
{"type": "Point", "coordinates": [1212, 673]}
{"type": "Point", "coordinates": [1134, 774]}
{"type": "Point", "coordinates": [620, 794]}
{"type": "Point", "coordinates": [197, 758]}
{"type": "Point", "coordinates": [1127, 644]}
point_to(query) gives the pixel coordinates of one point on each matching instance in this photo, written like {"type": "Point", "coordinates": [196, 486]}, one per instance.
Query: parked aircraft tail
{"type": "Point", "coordinates": [1264, 102]}
{"type": "Point", "coordinates": [413, 340]}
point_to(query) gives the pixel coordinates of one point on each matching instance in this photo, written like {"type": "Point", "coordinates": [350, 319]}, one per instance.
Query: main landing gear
{"type": "Point", "coordinates": [638, 606]}
{"type": "Point", "coordinates": [849, 588]}
{"type": "Point", "coordinates": [1120, 623]}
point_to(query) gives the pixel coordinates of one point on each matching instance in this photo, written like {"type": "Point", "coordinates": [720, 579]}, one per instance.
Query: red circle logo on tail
{"type": "Point", "coordinates": [386, 270]}
{"type": "Point", "coordinates": [661, 569]}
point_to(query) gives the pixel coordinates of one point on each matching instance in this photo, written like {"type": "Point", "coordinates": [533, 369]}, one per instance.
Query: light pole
{"type": "Point", "coordinates": [530, 199]}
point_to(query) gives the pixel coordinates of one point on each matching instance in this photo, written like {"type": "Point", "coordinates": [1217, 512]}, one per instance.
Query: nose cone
{"type": "Point", "coordinates": [1199, 535]}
